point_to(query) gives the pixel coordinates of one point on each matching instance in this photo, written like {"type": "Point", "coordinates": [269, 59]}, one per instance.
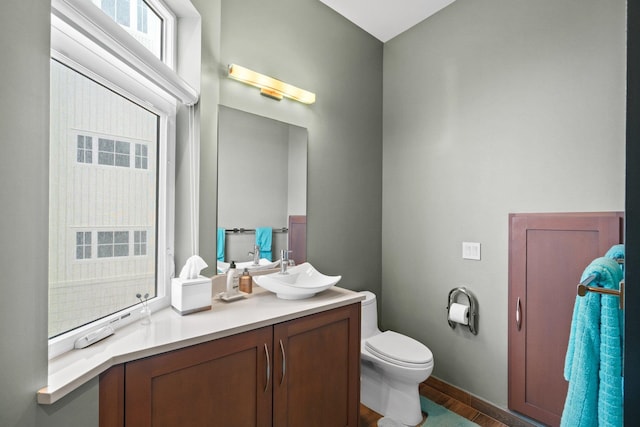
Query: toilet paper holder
{"type": "Point", "coordinates": [473, 308]}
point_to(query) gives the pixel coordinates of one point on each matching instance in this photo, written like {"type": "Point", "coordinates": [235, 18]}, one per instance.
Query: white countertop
{"type": "Point", "coordinates": [170, 331]}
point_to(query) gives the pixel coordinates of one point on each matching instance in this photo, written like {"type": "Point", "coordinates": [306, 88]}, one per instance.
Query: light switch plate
{"type": "Point", "coordinates": [471, 250]}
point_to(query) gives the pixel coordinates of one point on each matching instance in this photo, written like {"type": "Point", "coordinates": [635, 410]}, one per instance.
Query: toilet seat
{"type": "Point", "coordinates": [399, 349]}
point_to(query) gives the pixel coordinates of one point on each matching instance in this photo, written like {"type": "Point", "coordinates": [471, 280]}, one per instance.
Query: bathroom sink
{"type": "Point", "coordinates": [264, 264]}
{"type": "Point", "coordinates": [301, 281]}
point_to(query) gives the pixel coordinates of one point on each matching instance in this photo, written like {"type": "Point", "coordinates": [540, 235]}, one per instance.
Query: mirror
{"type": "Point", "coordinates": [262, 182]}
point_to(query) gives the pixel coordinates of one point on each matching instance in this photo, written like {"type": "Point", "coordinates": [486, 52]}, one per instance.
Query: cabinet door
{"type": "Point", "coordinates": [317, 370]}
{"type": "Point", "coordinates": [224, 382]}
{"type": "Point", "coordinates": [111, 397]}
{"type": "Point", "coordinates": [547, 255]}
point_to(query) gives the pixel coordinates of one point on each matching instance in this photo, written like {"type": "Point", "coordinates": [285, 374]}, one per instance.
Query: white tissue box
{"type": "Point", "coordinates": [191, 295]}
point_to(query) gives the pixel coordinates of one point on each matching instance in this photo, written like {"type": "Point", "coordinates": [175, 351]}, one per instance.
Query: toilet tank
{"type": "Point", "coordinates": [369, 316]}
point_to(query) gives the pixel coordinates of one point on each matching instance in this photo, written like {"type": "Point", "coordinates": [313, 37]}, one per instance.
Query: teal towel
{"type": "Point", "coordinates": [263, 239]}
{"type": "Point", "coordinates": [616, 252]}
{"type": "Point", "coordinates": [220, 243]}
{"type": "Point", "coordinates": [610, 395]}
{"type": "Point", "coordinates": [593, 364]}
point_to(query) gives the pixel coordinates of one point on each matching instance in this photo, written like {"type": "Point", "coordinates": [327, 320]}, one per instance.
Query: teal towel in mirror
{"type": "Point", "coordinates": [220, 244]}
{"type": "Point", "coordinates": [263, 239]}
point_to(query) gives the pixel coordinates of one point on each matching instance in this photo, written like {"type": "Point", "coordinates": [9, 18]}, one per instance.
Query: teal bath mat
{"type": "Point", "coordinates": [439, 416]}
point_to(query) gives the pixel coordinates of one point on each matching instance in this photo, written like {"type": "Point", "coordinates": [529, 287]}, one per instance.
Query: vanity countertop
{"type": "Point", "coordinates": [170, 331]}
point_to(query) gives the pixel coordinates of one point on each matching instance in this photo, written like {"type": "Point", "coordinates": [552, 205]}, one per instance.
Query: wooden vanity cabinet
{"type": "Point", "coordinates": [224, 382]}
{"type": "Point", "coordinates": [301, 372]}
{"type": "Point", "coordinates": [317, 370]}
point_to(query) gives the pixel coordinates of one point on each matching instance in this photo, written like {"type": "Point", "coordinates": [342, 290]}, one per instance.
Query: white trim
{"type": "Point", "coordinates": [194, 188]}
{"type": "Point", "coordinates": [86, 19]}
{"type": "Point", "coordinates": [169, 33]}
{"type": "Point", "coordinates": [70, 52]}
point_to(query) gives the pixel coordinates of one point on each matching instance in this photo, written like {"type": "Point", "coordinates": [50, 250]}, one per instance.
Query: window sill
{"type": "Point", "coordinates": [170, 331]}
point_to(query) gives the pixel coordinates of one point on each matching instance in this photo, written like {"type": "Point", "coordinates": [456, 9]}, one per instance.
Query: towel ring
{"type": "Point", "coordinates": [473, 308]}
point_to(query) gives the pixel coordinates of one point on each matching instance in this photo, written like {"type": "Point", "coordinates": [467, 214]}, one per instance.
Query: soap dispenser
{"type": "Point", "coordinates": [231, 273]}
{"type": "Point", "coordinates": [232, 284]}
{"type": "Point", "coordinates": [246, 282]}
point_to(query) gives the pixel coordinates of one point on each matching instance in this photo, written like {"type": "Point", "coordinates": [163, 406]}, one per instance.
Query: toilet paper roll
{"type": "Point", "coordinates": [459, 313]}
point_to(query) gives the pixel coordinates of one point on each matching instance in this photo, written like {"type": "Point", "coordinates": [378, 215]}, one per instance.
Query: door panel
{"type": "Point", "coordinates": [548, 253]}
{"type": "Point", "coordinates": [298, 238]}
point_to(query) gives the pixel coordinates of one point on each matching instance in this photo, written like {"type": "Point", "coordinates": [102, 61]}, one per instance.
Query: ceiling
{"type": "Point", "coordinates": [385, 19]}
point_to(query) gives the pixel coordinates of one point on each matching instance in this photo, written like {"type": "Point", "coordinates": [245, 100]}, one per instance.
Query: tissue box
{"type": "Point", "coordinates": [191, 295]}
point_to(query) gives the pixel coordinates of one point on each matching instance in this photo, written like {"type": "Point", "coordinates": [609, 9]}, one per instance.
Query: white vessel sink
{"type": "Point", "coordinates": [301, 281]}
{"type": "Point", "coordinates": [264, 264]}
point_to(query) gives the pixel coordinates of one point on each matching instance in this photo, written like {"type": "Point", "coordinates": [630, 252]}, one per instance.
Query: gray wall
{"type": "Point", "coordinates": [253, 170]}
{"type": "Point", "coordinates": [307, 44]}
{"type": "Point", "coordinates": [492, 107]}
{"type": "Point", "coordinates": [208, 117]}
{"type": "Point", "coordinates": [24, 166]}
{"type": "Point", "coordinates": [297, 185]}
{"type": "Point", "coordinates": [24, 193]}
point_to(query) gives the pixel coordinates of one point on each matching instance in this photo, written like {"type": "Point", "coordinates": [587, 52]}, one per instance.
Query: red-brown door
{"type": "Point", "coordinates": [547, 255]}
{"type": "Point", "coordinates": [298, 238]}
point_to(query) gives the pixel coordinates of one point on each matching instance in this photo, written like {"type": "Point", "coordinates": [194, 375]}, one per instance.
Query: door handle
{"type": "Point", "coordinates": [518, 315]}
{"type": "Point", "coordinates": [266, 352]}
{"type": "Point", "coordinates": [284, 362]}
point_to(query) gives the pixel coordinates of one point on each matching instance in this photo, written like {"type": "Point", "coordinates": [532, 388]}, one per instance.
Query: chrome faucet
{"type": "Point", "coordinates": [256, 254]}
{"type": "Point", "coordinates": [284, 261]}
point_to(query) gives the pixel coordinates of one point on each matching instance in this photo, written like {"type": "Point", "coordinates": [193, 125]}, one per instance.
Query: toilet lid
{"type": "Point", "coordinates": [399, 349]}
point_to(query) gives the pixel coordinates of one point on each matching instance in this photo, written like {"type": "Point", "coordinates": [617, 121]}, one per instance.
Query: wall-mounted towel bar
{"type": "Point", "coordinates": [583, 288]}
{"type": "Point", "coordinates": [253, 230]}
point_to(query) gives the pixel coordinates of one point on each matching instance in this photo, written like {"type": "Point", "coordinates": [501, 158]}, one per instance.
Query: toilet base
{"type": "Point", "coordinates": [387, 396]}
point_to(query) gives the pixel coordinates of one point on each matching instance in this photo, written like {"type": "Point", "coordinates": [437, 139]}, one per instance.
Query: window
{"type": "Point", "coordinates": [83, 245]}
{"type": "Point", "coordinates": [112, 151]}
{"type": "Point", "coordinates": [142, 21]}
{"type": "Point", "coordinates": [140, 243]}
{"type": "Point", "coordinates": [104, 195]}
{"type": "Point", "coordinates": [141, 156]}
{"type": "Point", "coordinates": [118, 10]}
{"type": "Point", "coordinates": [113, 244]}
{"type": "Point", "coordinates": [85, 149]}
{"type": "Point", "coordinates": [123, 14]}
{"type": "Point", "coordinates": [143, 16]}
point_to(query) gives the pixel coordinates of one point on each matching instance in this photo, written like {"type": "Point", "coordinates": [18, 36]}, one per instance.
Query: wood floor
{"type": "Point", "coordinates": [369, 418]}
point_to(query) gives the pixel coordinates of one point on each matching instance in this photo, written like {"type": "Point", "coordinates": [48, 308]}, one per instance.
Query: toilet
{"type": "Point", "coordinates": [392, 366]}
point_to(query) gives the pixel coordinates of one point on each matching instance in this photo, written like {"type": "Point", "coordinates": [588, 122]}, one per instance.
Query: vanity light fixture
{"type": "Point", "coordinates": [269, 86]}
